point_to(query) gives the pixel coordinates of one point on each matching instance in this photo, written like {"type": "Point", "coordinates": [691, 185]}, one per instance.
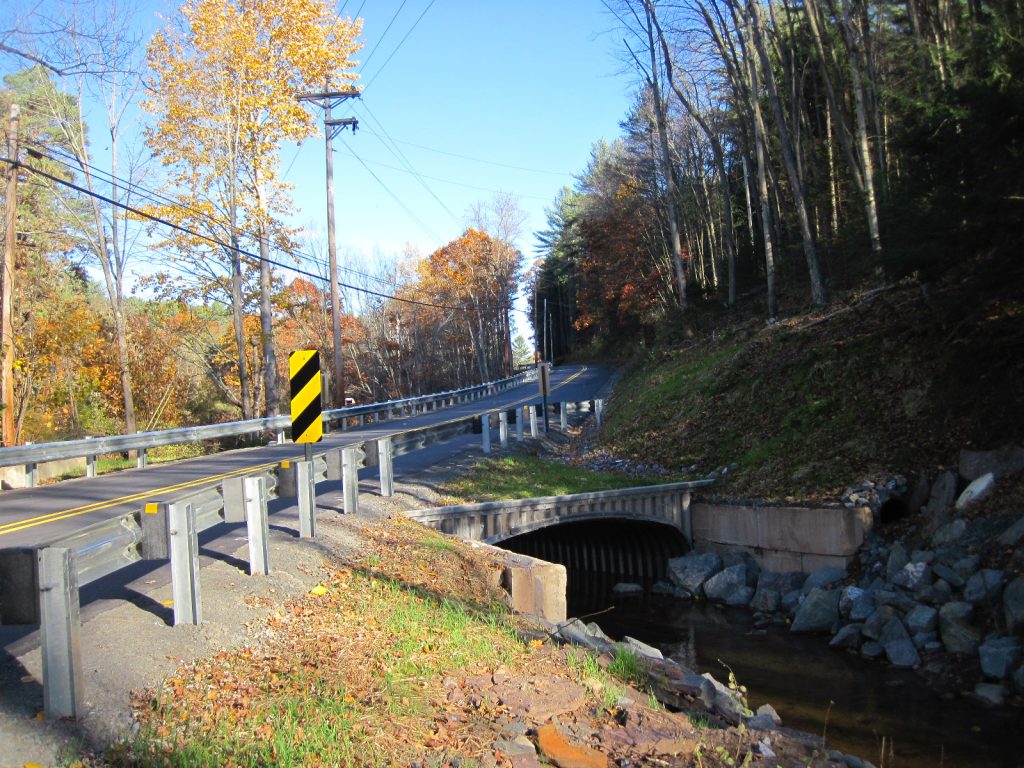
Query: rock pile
{"type": "Point", "coordinates": [925, 597]}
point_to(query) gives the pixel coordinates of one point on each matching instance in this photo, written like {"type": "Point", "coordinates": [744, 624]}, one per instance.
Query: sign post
{"type": "Point", "coordinates": [544, 382]}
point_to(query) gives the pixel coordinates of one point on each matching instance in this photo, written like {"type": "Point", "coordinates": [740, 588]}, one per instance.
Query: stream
{"type": "Point", "coordinates": [853, 702]}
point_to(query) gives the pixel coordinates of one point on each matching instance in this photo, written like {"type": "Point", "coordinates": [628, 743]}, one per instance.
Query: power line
{"type": "Point", "coordinates": [400, 156]}
{"type": "Point", "coordinates": [383, 34]}
{"type": "Point", "coordinates": [395, 197]}
{"type": "Point", "coordinates": [248, 254]}
{"type": "Point", "coordinates": [400, 44]}
{"type": "Point", "coordinates": [478, 159]}
{"type": "Point", "coordinates": [157, 197]}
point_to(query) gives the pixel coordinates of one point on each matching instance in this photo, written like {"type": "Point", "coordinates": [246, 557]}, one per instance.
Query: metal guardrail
{"type": "Point", "coordinates": [40, 585]}
{"type": "Point", "coordinates": [30, 456]}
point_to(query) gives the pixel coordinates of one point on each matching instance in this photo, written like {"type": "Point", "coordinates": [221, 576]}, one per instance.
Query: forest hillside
{"type": "Point", "coordinates": [895, 379]}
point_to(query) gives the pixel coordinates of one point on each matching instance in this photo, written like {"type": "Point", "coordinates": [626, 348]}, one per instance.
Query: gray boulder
{"type": "Point", "coordinates": [753, 571]}
{"type": "Point", "coordinates": [1013, 534]}
{"type": "Point", "coordinates": [943, 495]}
{"type": "Point", "coordinates": [897, 560]}
{"type": "Point", "coordinates": [986, 586]}
{"type": "Point", "coordinates": [624, 588]}
{"type": "Point", "coordinates": [967, 566]}
{"type": "Point", "coordinates": [588, 635]}
{"type": "Point", "coordinates": [1013, 604]}
{"type": "Point", "coordinates": [922, 618]}
{"type": "Point", "coordinates": [999, 656]}
{"type": "Point", "coordinates": [947, 574]}
{"type": "Point", "coordinates": [819, 611]}
{"type": "Point", "coordinates": [741, 597]}
{"type": "Point", "coordinates": [949, 532]}
{"type": "Point", "coordinates": [897, 598]}
{"type": "Point", "coordinates": [766, 600]}
{"type": "Point", "coordinates": [791, 601]}
{"type": "Point", "coordinates": [1000, 462]}
{"type": "Point", "coordinates": [956, 630]}
{"type": "Point", "coordinates": [976, 491]}
{"type": "Point", "coordinates": [726, 582]}
{"type": "Point", "coordinates": [641, 648]}
{"type": "Point", "coordinates": [862, 607]}
{"type": "Point", "coordinates": [722, 700]}
{"type": "Point", "coordinates": [823, 578]}
{"type": "Point", "coordinates": [990, 694]}
{"type": "Point", "coordinates": [922, 556]}
{"type": "Point", "coordinates": [872, 649]}
{"type": "Point", "coordinates": [926, 640]}
{"type": "Point", "coordinates": [848, 596]}
{"type": "Point", "coordinates": [877, 621]}
{"type": "Point", "coordinates": [913, 576]}
{"type": "Point", "coordinates": [898, 646]}
{"type": "Point", "coordinates": [690, 572]}
{"type": "Point", "coordinates": [848, 636]}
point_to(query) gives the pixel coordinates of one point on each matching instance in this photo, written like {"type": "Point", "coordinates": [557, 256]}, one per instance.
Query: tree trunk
{"type": "Point", "coordinates": [819, 294]}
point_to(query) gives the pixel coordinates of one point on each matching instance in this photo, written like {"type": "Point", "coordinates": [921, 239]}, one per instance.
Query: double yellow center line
{"type": "Point", "coordinates": [52, 517]}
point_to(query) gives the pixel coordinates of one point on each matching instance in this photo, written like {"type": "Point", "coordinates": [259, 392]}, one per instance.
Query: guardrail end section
{"type": "Point", "coordinates": [19, 586]}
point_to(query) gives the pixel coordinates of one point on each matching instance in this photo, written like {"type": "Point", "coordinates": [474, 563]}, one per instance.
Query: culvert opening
{"type": "Point", "coordinates": [892, 510]}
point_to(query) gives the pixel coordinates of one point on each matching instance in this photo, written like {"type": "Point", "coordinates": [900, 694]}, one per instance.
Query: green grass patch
{"type": "Point", "coordinates": [350, 682]}
{"type": "Point", "coordinates": [523, 476]}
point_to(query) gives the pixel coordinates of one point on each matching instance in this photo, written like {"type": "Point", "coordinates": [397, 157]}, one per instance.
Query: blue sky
{"type": "Point", "coordinates": [462, 98]}
{"type": "Point", "coordinates": [481, 96]}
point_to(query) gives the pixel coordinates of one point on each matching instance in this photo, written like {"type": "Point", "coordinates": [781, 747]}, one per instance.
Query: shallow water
{"type": "Point", "coordinates": [853, 702]}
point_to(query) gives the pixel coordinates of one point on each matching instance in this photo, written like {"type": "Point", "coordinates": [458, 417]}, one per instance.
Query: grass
{"type": "Point", "coordinates": [351, 674]}
{"type": "Point", "coordinates": [524, 476]}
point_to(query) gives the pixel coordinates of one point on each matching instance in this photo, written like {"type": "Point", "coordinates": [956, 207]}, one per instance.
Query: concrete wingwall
{"type": "Point", "coordinates": [782, 538]}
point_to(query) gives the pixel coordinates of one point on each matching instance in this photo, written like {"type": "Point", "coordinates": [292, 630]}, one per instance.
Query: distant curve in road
{"type": "Point", "coordinates": [38, 516]}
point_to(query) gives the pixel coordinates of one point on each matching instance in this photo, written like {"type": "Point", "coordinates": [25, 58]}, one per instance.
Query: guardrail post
{"type": "Point", "coordinates": [485, 430]}
{"type": "Point", "coordinates": [519, 427]}
{"type": "Point", "coordinates": [90, 462]}
{"type": "Point", "coordinates": [563, 412]}
{"type": "Point", "coordinates": [258, 525]}
{"type": "Point", "coordinates": [306, 491]}
{"type": "Point", "coordinates": [503, 429]}
{"type": "Point", "coordinates": [279, 437]}
{"type": "Point", "coordinates": [385, 455]}
{"type": "Point", "coordinates": [31, 475]}
{"type": "Point", "coordinates": [59, 629]}
{"type": "Point", "coordinates": [362, 420]}
{"type": "Point", "coordinates": [598, 411]}
{"type": "Point", "coordinates": [533, 421]}
{"type": "Point", "coordinates": [141, 459]}
{"type": "Point", "coordinates": [184, 539]}
{"type": "Point", "coordinates": [351, 457]}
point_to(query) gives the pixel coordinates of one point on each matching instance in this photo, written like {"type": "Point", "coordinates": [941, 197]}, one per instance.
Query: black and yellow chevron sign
{"type": "Point", "coordinates": [304, 372]}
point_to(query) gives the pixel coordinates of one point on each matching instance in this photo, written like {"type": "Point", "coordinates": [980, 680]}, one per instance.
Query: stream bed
{"type": "Point", "coordinates": [853, 702]}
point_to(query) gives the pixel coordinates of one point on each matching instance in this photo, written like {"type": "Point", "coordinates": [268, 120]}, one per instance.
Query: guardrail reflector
{"type": "Point", "coordinates": [152, 509]}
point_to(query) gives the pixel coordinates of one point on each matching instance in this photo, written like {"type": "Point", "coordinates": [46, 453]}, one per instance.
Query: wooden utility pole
{"type": "Point", "coordinates": [7, 282]}
{"type": "Point", "coordinates": [326, 100]}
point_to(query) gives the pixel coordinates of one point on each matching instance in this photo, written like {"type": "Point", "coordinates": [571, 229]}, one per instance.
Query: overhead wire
{"type": "Point", "coordinates": [241, 251]}
{"type": "Point", "coordinates": [400, 43]}
{"type": "Point", "coordinates": [157, 197]}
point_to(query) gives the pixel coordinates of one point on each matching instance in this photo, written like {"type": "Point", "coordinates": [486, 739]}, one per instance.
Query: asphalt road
{"type": "Point", "coordinates": [39, 516]}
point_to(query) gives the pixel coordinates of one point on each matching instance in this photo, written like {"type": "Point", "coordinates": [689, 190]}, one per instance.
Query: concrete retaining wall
{"type": "Point", "coordinates": [782, 538]}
